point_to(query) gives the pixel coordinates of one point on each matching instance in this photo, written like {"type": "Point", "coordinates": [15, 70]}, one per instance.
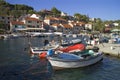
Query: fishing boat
{"type": "Point", "coordinates": [67, 60]}
{"type": "Point", "coordinates": [39, 50]}
{"type": "Point", "coordinates": [55, 45]}
{"type": "Point", "coordinates": [42, 51]}
{"type": "Point", "coordinates": [36, 50]}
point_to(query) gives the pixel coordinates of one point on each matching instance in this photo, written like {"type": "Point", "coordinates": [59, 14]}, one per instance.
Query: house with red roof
{"type": "Point", "coordinates": [33, 24]}
{"type": "Point", "coordinates": [52, 20]}
{"type": "Point", "coordinates": [66, 28]}
{"type": "Point", "coordinates": [17, 26]}
{"type": "Point", "coordinates": [57, 27]}
{"type": "Point", "coordinates": [77, 27]}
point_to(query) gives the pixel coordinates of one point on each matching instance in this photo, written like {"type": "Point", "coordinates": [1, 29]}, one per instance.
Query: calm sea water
{"type": "Point", "coordinates": [17, 64]}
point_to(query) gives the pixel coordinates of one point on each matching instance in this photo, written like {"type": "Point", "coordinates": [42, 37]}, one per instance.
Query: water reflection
{"type": "Point", "coordinates": [40, 69]}
{"type": "Point", "coordinates": [107, 69]}
{"type": "Point", "coordinates": [36, 70]}
{"type": "Point", "coordinates": [79, 73]}
{"type": "Point", "coordinates": [17, 64]}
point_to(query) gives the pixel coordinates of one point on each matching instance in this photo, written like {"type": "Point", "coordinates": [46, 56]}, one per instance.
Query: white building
{"type": "Point", "coordinates": [63, 14]}
{"type": "Point", "coordinates": [116, 24]}
{"type": "Point", "coordinates": [88, 26]}
{"type": "Point", "coordinates": [5, 21]}
{"type": "Point", "coordinates": [53, 20]}
{"type": "Point", "coordinates": [17, 26]}
{"type": "Point", "coordinates": [35, 16]}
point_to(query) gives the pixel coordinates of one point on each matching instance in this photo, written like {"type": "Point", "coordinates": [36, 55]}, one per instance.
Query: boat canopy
{"type": "Point", "coordinates": [74, 47]}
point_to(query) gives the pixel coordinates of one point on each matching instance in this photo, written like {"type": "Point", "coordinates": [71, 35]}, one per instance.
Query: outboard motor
{"type": "Point", "coordinates": [95, 49]}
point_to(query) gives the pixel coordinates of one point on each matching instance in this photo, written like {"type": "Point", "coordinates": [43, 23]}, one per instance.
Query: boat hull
{"type": "Point", "coordinates": [37, 50]}
{"type": "Point", "coordinates": [60, 64]}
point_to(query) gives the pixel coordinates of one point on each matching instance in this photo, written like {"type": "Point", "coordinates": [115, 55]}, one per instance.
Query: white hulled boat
{"type": "Point", "coordinates": [67, 60]}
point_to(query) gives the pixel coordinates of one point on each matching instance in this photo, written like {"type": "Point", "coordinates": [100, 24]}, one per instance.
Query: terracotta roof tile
{"type": "Point", "coordinates": [55, 24]}
{"type": "Point", "coordinates": [32, 19]}
{"type": "Point", "coordinates": [17, 22]}
{"type": "Point", "coordinates": [53, 18]}
{"type": "Point", "coordinates": [66, 26]}
{"type": "Point", "coordinates": [50, 18]}
{"type": "Point", "coordinates": [61, 19]}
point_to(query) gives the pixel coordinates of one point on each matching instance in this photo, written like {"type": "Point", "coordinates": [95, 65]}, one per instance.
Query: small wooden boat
{"type": "Point", "coordinates": [40, 50]}
{"type": "Point", "coordinates": [36, 50]}
{"type": "Point", "coordinates": [66, 60]}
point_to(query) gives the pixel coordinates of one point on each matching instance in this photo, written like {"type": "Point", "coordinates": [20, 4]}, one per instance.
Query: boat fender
{"type": "Point", "coordinates": [43, 55]}
{"type": "Point", "coordinates": [91, 52]}
{"type": "Point", "coordinates": [50, 52]}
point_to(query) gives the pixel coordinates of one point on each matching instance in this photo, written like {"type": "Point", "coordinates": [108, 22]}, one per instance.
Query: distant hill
{"type": "Point", "coordinates": [14, 10]}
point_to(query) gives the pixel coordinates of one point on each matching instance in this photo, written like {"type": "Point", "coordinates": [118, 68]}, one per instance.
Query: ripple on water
{"type": "Point", "coordinates": [16, 64]}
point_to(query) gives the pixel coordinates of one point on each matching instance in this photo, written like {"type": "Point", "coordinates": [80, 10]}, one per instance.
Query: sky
{"type": "Point", "coordinates": [104, 9]}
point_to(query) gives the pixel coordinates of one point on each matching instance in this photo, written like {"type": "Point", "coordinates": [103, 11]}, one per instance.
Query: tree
{"type": "Point", "coordinates": [42, 14]}
{"type": "Point", "coordinates": [84, 18]}
{"type": "Point", "coordinates": [55, 12]}
{"type": "Point", "coordinates": [65, 17]}
{"type": "Point", "coordinates": [77, 16]}
{"type": "Point", "coordinates": [31, 12]}
{"type": "Point", "coordinates": [81, 17]}
{"type": "Point", "coordinates": [15, 10]}
{"type": "Point", "coordinates": [98, 25]}
{"type": "Point", "coordinates": [1, 25]}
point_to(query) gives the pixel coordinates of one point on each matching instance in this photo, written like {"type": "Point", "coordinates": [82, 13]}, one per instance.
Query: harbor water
{"type": "Point", "coordinates": [17, 64]}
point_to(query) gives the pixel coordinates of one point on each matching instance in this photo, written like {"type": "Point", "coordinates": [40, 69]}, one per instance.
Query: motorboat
{"type": "Point", "coordinates": [67, 60]}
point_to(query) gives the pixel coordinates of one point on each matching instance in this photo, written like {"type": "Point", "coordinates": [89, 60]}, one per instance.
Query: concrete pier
{"type": "Point", "coordinates": [110, 49]}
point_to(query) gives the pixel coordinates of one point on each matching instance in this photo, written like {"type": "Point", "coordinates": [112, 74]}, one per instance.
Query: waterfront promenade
{"type": "Point", "coordinates": [110, 49]}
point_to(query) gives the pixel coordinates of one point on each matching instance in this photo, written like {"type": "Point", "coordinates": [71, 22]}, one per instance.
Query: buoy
{"type": "Point", "coordinates": [50, 52]}
{"type": "Point", "coordinates": [43, 55]}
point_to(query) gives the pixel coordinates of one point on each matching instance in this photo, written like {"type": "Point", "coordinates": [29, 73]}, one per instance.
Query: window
{"type": "Point", "coordinates": [29, 21]}
{"type": "Point", "coordinates": [29, 26]}
{"type": "Point", "coordinates": [3, 17]}
{"type": "Point", "coordinates": [37, 26]}
{"type": "Point", "coordinates": [37, 21]}
{"type": "Point", "coordinates": [15, 26]}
